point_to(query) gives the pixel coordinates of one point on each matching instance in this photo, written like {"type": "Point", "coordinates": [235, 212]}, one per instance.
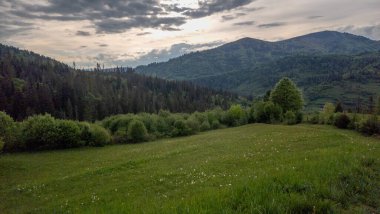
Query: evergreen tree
{"type": "Point", "coordinates": [339, 107]}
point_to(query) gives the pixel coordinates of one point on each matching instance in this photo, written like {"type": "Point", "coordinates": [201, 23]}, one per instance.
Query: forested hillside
{"type": "Point", "coordinates": [352, 79]}
{"type": "Point", "coordinates": [32, 84]}
{"type": "Point", "coordinates": [328, 66]}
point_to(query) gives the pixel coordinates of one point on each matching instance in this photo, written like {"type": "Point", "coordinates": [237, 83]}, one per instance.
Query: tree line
{"type": "Point", "coordinates": [33, 84]}
{"type": "Point", "coordinates": [43, 132]}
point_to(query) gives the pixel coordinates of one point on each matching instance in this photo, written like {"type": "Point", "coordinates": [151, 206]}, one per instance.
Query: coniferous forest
{"type": "Point", "coordinates": [33, 84]}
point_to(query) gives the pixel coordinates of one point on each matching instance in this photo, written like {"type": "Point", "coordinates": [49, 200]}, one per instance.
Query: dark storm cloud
{"type": "Point", "coordinates": [207, 8]}
{"type": "Point", "coordinates": [271, 25]}
{"type": "Point", "coordinates": [116, 16]}
{"type": "Point", "coordinates": [248, 23]}
{"type": "Point", "coordinates": [83, 33]}
{"type": "Point", "coordinates": [119, 26]}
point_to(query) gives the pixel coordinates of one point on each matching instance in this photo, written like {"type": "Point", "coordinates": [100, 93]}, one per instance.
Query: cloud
{"type": "Point", "coordinates": [83, 33]}
{"type": "Point", "coordinates": [314, 17]}
{"type": "Point", "coordinates": [273, 24]}
{"type": "Point", "coordinates": [207, 8]}
{"type": "Point", "coordinates": [119, 26]}
{"type": "Point", "coordinates": [115, 16]}
{"type": "Point", "coordinates": [371, 31]}
{"type": "Point", "coordinates": [161, 55]}
{"type": "Point", "coordinates": [247, 23]}
{"type": "Point", "coordinates": [103, 45]}
{"type": "Point", "coordinates": [143, 33]}
{"type": "Point", "coordinates": [232, 17]}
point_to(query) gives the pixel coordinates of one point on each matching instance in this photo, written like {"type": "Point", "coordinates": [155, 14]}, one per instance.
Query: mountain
{"type": "Point", "coordinates": [251, 67]}
{"type": "Point", "coordinates": [34, 84]}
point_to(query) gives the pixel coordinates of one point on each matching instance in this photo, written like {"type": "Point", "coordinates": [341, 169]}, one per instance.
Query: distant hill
{"type": "Point", "coordinates": [328, 66]}
{"type": "Point", "coordinates": [34, 84]}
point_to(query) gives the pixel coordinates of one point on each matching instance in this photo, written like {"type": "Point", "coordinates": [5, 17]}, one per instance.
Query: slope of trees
{"type": "Point", "coordinates": [33, 84]}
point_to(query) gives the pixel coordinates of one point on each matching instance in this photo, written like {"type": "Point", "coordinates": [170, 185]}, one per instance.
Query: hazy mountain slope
{"type": "Point", "coordinates": [328, 65]}
{"type": "Point", "coordinates": [247, 53]}
{"type": "Point", "coordinates": [322, 78]}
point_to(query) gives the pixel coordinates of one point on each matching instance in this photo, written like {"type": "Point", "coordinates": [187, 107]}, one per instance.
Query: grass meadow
{"type": "Point", "coordinates": [250, 169]}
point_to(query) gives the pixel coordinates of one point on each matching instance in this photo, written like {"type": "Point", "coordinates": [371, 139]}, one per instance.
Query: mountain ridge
{"type": "Point", "coordinates": [238, 66]}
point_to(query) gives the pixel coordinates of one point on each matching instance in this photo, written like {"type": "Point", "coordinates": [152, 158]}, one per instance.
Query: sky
{"type": "Point", "coordinates": [138, 32]}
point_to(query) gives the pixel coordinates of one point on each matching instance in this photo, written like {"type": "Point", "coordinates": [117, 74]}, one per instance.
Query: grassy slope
{"type": "Point", "coordinates": [254, 168]}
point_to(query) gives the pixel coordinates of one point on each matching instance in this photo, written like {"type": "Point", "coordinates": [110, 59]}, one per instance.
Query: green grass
{"type": "Point", "coordinates": [250, 169]}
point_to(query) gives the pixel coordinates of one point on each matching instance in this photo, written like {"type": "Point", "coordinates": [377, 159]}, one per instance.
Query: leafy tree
{"type": "Point", "coordinates": [137, 131]}
{"type": "Point", "coordinates": [328, 113]}
{"type": "Point", "coordinates": [287, 95]}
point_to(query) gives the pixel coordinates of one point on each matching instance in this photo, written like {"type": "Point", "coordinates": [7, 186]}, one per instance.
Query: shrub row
{"type": "Point", "coordinates": [133, 128]}
{"type": "Point", "coordinates": [365, 124]}
{"type": "Point", "coordinates": [43, 132]}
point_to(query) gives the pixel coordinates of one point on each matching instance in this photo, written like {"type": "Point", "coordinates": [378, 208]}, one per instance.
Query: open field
{"type": "Point", "coordinates": [254, 168]}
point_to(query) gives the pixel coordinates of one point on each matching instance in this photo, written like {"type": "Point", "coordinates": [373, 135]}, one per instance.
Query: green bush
{"type": "Point", "coordinates": [342, 121]}
{"type": "Point", "coordinates": [290, 118]}
{"type": "Point", "coordinates": [122, 121]}
{"type": "Point", "coordinates": [205, 126]}
{"type": "Point", "coordinates": [313, 118]}
{"type": "Point", "coordinates": [163, 128]}
{"type": "Point", "coordinates": [39, 132]}
{"type": "Point", "coordinates": [150, 121]}
{"type": "Point", "coordinates": [193, 126]}
{"type": "Point", "coordinates": [267, 112]}
{"type": "Point", "coordinates": [1, 145]}
{"type": "Point", "coordinates": [251, 115]}
{"type": "Point", "coordinates": [236, 116]}
{"type": "Point", "coordinates": [299, 117]}
{"type": "Point", "coordinates": [67, 134]}
{"type": "Point", "coordinates": [215, 124]}
{"type": "Point", "coordinates": [370, 127]}
{"type": "Point", "coordinates": [181, 128]}
{"type": "Point", "coordinates": [354, 124]}
{"type": "Point", "coordinates": [137, 132]}
{"type": "Point", "coordinates": [99, 136]}
{"type": "Point", "coordinates": [7, 126]}
{"type": "Point", "coordinates": [327, 115]}
{"type": "Point", "coordinates": [120, 136]}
